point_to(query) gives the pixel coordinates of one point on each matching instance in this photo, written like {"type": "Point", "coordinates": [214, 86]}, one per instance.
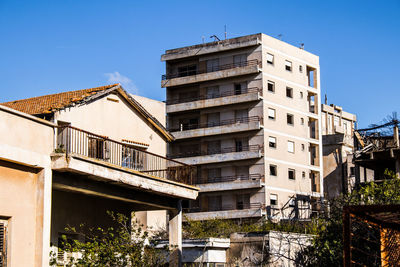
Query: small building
{"type": "Point", "coordinates": [67, 158]}
{"type": "Point", "coordinates": [338, 148]}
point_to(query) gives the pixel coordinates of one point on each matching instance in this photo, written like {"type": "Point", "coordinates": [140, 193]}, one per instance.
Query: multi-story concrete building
{"type": "Point", "coordinates": [246, 112]}
{"type": "Point", "coordinates": [338, 148]}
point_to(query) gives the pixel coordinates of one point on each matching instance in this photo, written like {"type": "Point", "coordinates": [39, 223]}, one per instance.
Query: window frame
{"type": "Point", "coordinates": [273, 86]}
{"type": "Point", "coordinates": [293, 146]}
{"type": "Point", "coordinates": [274, 142]}
{"type": "Point", "coordinates": [288, 65]}
{"type": "Point", "coordinates": [290, 91]}
{"type": "Point", "coordinates": [273, 57]}
{"type": "Point", "coordinates": [291, 120]}
{"type": "Point", "coordinates": [293, 171]}
{"type": "Point", "coordinates": [269, 117]}
{"type": "Point", "coordinates": [274, 167]}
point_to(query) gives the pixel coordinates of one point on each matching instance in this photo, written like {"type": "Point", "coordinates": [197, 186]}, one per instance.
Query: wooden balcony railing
{"type": "Point", "coordinates": [191, 72]}
{"type": "Point", "coordinates": [71, 140]}
{"type": "Point", "coordinates": [213, 151]}
{"type": "Point", "coordinates": [213, 96]}
{"type": "Point", "coordinates": [185, 127]}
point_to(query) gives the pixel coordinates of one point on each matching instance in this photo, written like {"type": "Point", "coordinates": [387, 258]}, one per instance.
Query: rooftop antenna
{"type": "Point", "coordinates": [302, 46]}
{"type": "Point", "coordinates": [215, 38]}
{"type": "Point", "coordinates": [326, 99]}
{"type": "Point", "coordinates": [280, 36]}
{"type": "Point", "coordinates": [202, 38]}
{"type": "Point", "coordinates": [225, 32]}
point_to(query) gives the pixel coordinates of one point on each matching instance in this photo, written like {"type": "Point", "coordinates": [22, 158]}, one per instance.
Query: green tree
{"type": "Point", "coordinates": [327, 246]}
{"type": "Point", "coordinates": [127, 244]}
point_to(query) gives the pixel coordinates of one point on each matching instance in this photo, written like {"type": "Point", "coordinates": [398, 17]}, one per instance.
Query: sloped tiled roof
{"type": "Point", "coordinates": [50, 103]}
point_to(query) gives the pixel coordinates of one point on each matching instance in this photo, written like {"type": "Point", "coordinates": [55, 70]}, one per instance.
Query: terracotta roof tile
{"type": "Point", "coordinates": [49, 103]}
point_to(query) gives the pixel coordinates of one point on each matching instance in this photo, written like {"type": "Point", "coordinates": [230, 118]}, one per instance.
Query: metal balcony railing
{"type": "Point", "coordinates": [71, 140]}
{"type": "Point", "coordinates": [213, 151]}
{"type": "Point", "coordinates": [191, 72]}
{"type": "Point", "coordinates": [213, 96]}
{"type": "Point", "coordinates": [224, 179]}
{"type": "Point", "coordinates": [238, 206]}
{"type": "Point", "coordinates": [185, 127]}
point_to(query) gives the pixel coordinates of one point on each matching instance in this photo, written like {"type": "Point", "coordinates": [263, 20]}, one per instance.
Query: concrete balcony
{"type": "Point", "coordinates": [230, 183]}
{"type": "Point", "coordinates": [220, 72]}
{"type": "Point", "coordinates": [222, 127]}
{"type": "Point", "coordinates": [207, 101]}
{"type": "Point", "coordinates": [252, 210]}
{"type": "Point", "coordinates": [221, 155]}
{"type": "Point", "coordinates": [95, 165]}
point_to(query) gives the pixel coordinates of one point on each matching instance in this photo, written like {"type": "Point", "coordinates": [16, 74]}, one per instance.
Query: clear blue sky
{"type": "Point", "coordinates": [53, 46]}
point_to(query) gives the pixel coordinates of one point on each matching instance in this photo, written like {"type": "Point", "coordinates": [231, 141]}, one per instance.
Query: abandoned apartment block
{"type": "Point", "coordinates": [246, 112]}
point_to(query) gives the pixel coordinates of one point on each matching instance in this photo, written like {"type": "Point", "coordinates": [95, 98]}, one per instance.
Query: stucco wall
{"type": "Point", "coordinates": [115, 119]}
{"type": "Point", "coordinates": [20, 199]}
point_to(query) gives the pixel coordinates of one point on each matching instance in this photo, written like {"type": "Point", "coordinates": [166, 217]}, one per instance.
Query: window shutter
{"type": "Point", "coordinates": [270, 58]}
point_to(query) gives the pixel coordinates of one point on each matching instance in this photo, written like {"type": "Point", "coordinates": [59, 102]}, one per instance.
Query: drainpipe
{"type": "Point", "coordinates": [396, 135]}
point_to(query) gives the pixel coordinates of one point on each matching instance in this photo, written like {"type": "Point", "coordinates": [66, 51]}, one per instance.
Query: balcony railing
{"type": "Point", "coordinates": [213, 96]}
{"type": "Point", "coordinates": [213, 151]}
{"type": "Point", "coordinates": [191, 72]}
{"type": "Point", "coordinates": [238, 206]}
{"type": "Point", "coordinates": [185, 127]}
{"type": "Point", "coordinates": [224, 179]}
{"type": "Point", "coordinates": [72, 140]}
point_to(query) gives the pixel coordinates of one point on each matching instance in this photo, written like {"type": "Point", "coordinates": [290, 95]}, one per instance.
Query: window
{"type": "Point", "coordinates": [272, 142]}
{"type": "Point", "coordinates": [302, 121]}
{"type": "Point", "coordinates": [239, 60]}
{"type": "Point", "coordinates": [3, 242]}
{"type": "Point", "coordinates": [352, 171]}
{"type": "Point", "coordinates": [272, 170]}
{"type": "Point", "coordinates": [290, 146]}
{"type": "Point", "coordinates": [187, 70]}
{"type": "Point", "coordinates": [239, 145]}
{"type": "Point", "coordinates": [270, 59]}
{"type": "Point", "coordinates": [213, 65]}
{"type": "Point", "coordinates": [291, 174]}
{"type": "Point", "coordinates": [288, 65]}
{"type": "Point", "coordinates": [238, 88]}
{"type": "Point", "coordinates": [271, 113]}
{"type": "Point", "coordinates": [302, 147]}
{"type": "Point", "coordinates": [271, 86]}
{"type": "Point", "coordinates": [303, 174]}
{"type": "Point", "coordinates": [98, 148]}
{"type": "Point", "coordinates": [301, 68]}
{"type": "Point", "coordinates": [289, 118]}
{"type": "Point", "coordinates": [273, 198]}
{"type": "Point", "coordinates": [301, 94]}
{"type": "Point", "coordinates": [289, 92]}
{"type": "Point", "coordinates": [132, 158]}
{"type": "Point", "coordinates": [213, 92]}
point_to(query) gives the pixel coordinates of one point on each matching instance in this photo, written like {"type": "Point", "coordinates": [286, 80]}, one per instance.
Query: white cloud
{"type": "Point", "coordinates": [128, 84]}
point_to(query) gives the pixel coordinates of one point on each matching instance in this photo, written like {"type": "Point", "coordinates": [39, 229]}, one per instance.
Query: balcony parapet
{"type": "Point", "coordinates": [245, 210]}
{"type": "Point", "coordinates": [220, 155]}
{"type": "Point", "coordinates": [221, 127]}
{"type": "Point", "coordinates": [217, 72]}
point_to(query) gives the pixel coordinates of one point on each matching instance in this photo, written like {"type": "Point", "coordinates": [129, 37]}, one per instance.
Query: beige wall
{"type": "Point", "coordinates": [117, 120]}
{"type": "Point", "coordinates": [25, 186]}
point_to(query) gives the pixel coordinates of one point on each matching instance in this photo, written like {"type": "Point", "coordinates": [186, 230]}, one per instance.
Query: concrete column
{"type": "Point", "coordinates": [47, 190]}
{"type": "Point", "coordinates": [175, 236]}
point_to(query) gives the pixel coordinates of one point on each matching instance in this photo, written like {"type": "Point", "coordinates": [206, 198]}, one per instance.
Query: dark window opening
{"type": "Point", "coordinates": [289, 118]}
{"type": "Point", "coordinates": [271, 86]}
{"type": "Point", "coordinates": [291, 174]}
{"type": "Point", "coordinates": [289, 92]}
{"type": "Point", "coordinates": [272, 170]}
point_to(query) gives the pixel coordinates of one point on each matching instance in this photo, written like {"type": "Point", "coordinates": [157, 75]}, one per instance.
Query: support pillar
{"type": "Point", "coordinates": [175, 236]}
